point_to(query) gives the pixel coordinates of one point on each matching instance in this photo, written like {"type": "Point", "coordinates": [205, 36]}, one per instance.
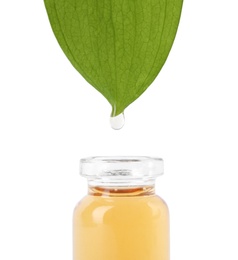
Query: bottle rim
{"type": "Point", "coordinates": [121, 169]}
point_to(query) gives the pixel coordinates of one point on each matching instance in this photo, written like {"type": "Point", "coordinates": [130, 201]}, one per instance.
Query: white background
{"type": "Point", "coordinates": [50, 117]}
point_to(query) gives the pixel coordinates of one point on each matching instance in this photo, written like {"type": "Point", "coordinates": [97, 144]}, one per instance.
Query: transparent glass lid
{"type": "Point", "coordinates": [121, 169]}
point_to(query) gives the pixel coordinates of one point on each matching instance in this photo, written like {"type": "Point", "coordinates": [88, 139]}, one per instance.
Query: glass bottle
{"type": "Point", "coordinates": [121, 218]}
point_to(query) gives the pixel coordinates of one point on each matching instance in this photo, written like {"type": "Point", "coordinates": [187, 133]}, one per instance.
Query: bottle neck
{"type": "Point", "coordinates": [121, 191]}
{"type": "Point", "coordinates": [121, 176]}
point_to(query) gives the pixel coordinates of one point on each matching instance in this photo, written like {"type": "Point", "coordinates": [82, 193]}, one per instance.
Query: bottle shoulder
{"type": "Point", "coordinates": [147, 205]}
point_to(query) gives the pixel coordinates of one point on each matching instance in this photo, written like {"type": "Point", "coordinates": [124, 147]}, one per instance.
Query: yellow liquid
{"type": "Point", "coordinates": [112, 224]}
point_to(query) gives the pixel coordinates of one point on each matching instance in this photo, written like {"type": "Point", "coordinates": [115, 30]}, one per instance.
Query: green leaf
{"type": "Point", "coordinates": [118, 46]}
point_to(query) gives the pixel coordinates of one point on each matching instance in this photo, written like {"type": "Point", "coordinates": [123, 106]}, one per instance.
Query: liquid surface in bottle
{"type": "Point", "coordinates": [121, 224]}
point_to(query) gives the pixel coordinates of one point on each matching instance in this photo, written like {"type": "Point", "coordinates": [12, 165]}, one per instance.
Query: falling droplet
{"type": "Point", "coordinates": [117, 122]}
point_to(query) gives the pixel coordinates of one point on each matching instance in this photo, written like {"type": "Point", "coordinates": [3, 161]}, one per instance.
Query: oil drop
{"type": "Point", "coordinates": [117, 122]}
